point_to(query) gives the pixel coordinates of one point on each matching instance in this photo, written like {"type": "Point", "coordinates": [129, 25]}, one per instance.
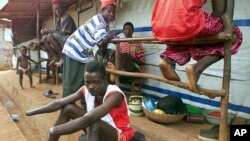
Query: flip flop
{"type": "Point", "coordinates": [52, 93]}
{"type": "Point", "coordinates": [46, 94]}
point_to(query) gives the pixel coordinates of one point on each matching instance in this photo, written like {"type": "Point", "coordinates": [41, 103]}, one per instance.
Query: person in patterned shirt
{"type": "Point", "coordinates": [54, 40]}
{"type": "Point", "coordinates": [185, 20]}
{"type": "Point", "coordinates": [131, 55]}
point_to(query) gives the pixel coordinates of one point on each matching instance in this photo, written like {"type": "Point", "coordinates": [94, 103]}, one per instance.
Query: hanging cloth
{"type": "Point", "coordinates": [177, 20]}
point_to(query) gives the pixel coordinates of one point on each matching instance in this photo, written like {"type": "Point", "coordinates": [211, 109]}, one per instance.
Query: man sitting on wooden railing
{"type": "Point", "coordinates": [186, 23]}
{"type": "Point", "coordinates": [54, 39]}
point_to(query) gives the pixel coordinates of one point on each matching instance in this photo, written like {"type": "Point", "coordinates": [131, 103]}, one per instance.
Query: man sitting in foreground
{"type": "Point", "coordinates": [104, 114]}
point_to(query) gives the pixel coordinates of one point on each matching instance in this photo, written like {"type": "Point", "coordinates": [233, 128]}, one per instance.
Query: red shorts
{"type": "Point", "coordinates": [213, 25]}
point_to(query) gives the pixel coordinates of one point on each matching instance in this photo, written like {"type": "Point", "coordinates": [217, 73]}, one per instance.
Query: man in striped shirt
{"type": "Point", "coordinates": [131, 54]}
{"type": "Point", "coordinates": [78, 47]}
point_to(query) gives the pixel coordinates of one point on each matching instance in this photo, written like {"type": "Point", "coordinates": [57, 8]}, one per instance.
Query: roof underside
{"type": "Point", "coordinates": [23, 14]}
{"type": "Point", "coordinates": [27, 9]}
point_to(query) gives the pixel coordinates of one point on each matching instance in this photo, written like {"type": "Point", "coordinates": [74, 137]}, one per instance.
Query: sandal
{"type": "Point", "coordinates": [52, 93]}
{"type": "Point", "coordinates": [49, 95]}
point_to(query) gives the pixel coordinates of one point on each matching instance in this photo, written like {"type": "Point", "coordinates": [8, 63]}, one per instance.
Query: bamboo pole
{"type": "Point", "coordinates": [201, 91]}
{"type": "Point", "coordinates": [220, 37]}
{"type": "Point", "coordinates": [228, 27]}
{"type": "Point", "coordinates": [38, 38]}
{"type": "Point", "coordinates": [117, 81]}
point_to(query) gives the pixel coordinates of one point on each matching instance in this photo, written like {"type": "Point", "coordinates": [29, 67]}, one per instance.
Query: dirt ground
{"type": "Point", "coordinates": [36, 127]}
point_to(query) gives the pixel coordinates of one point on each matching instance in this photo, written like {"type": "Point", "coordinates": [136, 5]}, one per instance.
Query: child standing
{"type": "Point", "coordinates": [22, 66]}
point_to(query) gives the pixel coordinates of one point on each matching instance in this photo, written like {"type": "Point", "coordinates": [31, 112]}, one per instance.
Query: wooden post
{"type": "Point", "coordinates": [228, 27]}
{"type": "Point", "coordinates": [57, 75]}
{"type": "Point", "coordinates": [38, 37]}
{"type": "Point", "coordinates": [30, 57]}
{"type": "Point", "coordinates": [117, 63]}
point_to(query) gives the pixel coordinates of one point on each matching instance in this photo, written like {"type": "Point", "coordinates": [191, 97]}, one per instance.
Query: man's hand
{"type": "Point", "coordinates": [45, 31]}
{"type": "Point", "coordinates": [51, 130]}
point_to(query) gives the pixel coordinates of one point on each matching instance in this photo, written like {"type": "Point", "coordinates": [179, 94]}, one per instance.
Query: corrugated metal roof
{"type": "Point", "coordinates": [27, 9]}
{"type": "Point", "coordinates": [23, 14]}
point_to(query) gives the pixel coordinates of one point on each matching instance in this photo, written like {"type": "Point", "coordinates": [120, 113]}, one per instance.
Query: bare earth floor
{"type": "Point", "coordinates": [35, 128]}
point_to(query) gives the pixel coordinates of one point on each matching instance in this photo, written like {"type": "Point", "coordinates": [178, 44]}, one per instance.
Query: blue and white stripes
{"type": "Point", "coordinates": [80, 44]}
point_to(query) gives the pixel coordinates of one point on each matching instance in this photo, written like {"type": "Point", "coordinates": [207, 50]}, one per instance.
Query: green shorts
{"type": "Point", "coordinates": [73, 73]}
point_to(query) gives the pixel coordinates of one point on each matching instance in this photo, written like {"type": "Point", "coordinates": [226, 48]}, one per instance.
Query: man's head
{"type": "Point", "coordinates": [57, 7]}
{"type": "Point", "coordinates": [108, 10]}
{"type": "Point", "coordinates": [23, 50]}
{"type": "Point", "coordinates": [95, 77]}
{"type": "Point", "coordinates": [128, 29]}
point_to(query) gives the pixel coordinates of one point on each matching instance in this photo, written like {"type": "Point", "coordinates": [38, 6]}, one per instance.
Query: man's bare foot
{"type": "Point", "coordinates": [192, 79]}
{"type": "Point", "coordinates": [168, 71]}
{"type": "Point", "coordinates": [112, 67]}
{"type": "Point", "coordinates": [21, 88]}
{"type": "Point", "coordinates": [59, 64]}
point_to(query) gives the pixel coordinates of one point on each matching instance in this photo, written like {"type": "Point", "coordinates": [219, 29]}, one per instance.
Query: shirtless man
{"type": "Point", "coordinates": [22, 66]}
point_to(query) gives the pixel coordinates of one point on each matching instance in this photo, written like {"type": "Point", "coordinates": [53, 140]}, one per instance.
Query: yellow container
{"type": "Point", "coordinates": [135, 105]}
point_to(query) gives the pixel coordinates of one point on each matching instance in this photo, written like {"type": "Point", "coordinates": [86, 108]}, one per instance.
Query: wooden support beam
{"type": "Point", "coordinates": [201, 91]}
{"type": "Point", "coordinates": [228, 28]}
{"type": "Point", "coordinates": [220, 37]}
{"type": "Point", "coordinates": [38, 38]}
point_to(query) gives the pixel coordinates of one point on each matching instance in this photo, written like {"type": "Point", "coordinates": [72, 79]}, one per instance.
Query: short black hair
{"type": "Point", "coordinates": [96, 66]}
{"type": "Point", "coordinates": [128, 24]}
{"type": "Point", "coordinates": [23, 46]}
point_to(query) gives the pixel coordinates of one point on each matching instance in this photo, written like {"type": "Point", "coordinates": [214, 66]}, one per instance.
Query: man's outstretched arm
{"type": "Point", "coordinates": [90, 117]}
{"type": "Point", "coordinates": [56, 105]}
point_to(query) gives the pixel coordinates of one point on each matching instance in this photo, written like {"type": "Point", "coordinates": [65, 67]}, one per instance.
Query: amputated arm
{"type": "Point", "coordinates": [48, 108]}
{"type": "Point", "coordinates": [56, 105]}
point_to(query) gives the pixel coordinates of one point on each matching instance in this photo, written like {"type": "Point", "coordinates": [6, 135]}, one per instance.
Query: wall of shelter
{"type": "Point", "coordinates": [139, 13]}
{"type": "Point", "coordinates": [6, 51]}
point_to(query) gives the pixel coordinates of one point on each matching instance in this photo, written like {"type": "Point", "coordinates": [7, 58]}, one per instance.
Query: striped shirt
{"type": "Point", "coordinates": [80, 44]}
